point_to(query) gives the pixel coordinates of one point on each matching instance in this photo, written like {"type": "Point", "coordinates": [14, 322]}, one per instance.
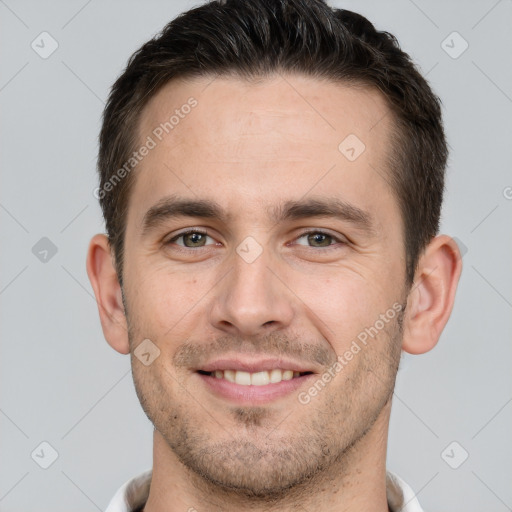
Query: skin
{"type": "Point", "coordinates": [251, 147]}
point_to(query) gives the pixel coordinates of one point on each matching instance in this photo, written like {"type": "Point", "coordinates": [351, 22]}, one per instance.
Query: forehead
{"type": "Point", "coordinates": [248, 142]}
{"type": "Point", "coordinates": [241, 108]}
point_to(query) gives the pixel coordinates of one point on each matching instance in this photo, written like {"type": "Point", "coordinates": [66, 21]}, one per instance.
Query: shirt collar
{"type": "Point", "coordinates": [133, 494]}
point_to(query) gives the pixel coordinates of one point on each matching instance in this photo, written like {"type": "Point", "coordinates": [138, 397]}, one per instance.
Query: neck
{"type": "Point", "coordinates": [356, 483]}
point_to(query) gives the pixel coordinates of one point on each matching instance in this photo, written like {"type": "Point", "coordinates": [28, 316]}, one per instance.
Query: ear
{"type": "Point", "coordinates": [107, 290]}
{"type": "Point", "coordinates": [432, 295]}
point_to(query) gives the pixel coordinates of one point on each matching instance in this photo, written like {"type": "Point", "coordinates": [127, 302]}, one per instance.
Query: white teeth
{"type": "Point", "coordinates": [229, 375]}
{"type": "Point", "coordinates": [243, 378]}
{"type": "Point", "coordinates": [260, 378]}
{"type": "Point", "coordinates": [256, 379]}
{"type": "Point", "coordinates": [287, 375]}
{"type": "Point", "coordinates": [276, 376]}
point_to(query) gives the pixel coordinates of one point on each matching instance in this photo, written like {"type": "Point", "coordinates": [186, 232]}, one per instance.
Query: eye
{"type": "Point", "coordinates": [191, 239]}
{"type": "Point", "coordinates": [318, 239]}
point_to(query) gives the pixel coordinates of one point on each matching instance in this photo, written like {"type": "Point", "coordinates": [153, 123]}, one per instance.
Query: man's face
{"type": "Point", "coordinates": [278, 281]}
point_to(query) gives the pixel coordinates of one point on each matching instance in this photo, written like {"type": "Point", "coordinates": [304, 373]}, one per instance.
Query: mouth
{"type": "Point", "coordinates": [253, 383]}
{"type": "Point", "coordinates": [260, 378]}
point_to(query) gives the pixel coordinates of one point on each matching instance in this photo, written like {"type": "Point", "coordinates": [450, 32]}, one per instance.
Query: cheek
{"type": "Point", "coordinates": [342, 306]}
{"type": "Point", "coordinates": [156, 389]}
{"type": "Point", "coordinates": [164, 301]}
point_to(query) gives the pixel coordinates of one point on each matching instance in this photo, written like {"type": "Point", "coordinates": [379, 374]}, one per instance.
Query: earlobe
{"type": "Point", "coordinates": [430, 301]}
{"type": "Point", "coordinates": [107, 290]}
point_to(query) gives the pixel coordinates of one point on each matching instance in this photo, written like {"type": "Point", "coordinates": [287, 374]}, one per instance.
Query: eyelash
{"type": "Point", "coordinates": [304, 233]}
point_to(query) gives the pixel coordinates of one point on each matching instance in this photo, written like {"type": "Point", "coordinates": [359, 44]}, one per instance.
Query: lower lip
{"type": "Point", "coordinates": [253, 394]}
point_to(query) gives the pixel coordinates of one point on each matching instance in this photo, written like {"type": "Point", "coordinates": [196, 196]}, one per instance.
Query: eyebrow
{"type": "Point", "coordinates": [174, 206]}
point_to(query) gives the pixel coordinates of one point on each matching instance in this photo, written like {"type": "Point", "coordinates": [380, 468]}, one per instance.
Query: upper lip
{"type": "Point", "coordinates": [255, 365]}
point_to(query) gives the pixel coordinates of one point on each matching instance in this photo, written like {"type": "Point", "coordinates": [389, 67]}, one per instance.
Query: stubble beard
{"type": "Point", "coordinates": [267, 457]}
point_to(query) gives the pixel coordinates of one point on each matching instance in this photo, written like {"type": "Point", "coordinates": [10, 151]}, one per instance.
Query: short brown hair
{"type": "Point", "coordinates": [255, 38]}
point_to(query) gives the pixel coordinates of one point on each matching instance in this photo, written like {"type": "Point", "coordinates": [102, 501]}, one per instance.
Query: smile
{"type": "Point", "coordinates": [261, 378]}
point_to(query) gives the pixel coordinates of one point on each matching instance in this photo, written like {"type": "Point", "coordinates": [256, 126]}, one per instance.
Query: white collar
{"type": "Point", "coordinates": [133, 494]}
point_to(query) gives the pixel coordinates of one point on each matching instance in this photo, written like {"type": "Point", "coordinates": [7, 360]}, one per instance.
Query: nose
{"type": "Point", "coordinates": [252, 299]}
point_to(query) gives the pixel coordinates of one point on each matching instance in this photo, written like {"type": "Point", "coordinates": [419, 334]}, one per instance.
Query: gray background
{"type": "Point", "coordinates": [61, 383]}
